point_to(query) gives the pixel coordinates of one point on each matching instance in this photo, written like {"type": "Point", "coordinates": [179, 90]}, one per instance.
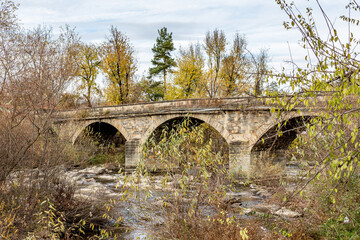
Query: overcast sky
{"type": "Point", "coordinates": [189, 20]}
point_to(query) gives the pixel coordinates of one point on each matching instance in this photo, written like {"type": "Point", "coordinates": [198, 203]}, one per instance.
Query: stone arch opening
{"type": "Point", "coordinates": [173, 126]}
{"type": "Point", "coordinates": [102, 138]}
{"type": "Point", "coordinates": [280, 136]}
{"type": "Point", "coordinates": [271, 147]}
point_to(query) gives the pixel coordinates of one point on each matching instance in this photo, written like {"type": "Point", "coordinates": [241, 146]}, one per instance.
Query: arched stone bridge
{"type": "Point", "coordinates": [242, 122]}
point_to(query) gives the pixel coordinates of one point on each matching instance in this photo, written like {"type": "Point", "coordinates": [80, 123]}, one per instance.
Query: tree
{"type": "Point", "coordinates": [151, 90]}
{"type": "Point", "coordinates": [7, 17]}
{"type": "Point", "coordinates": [332, 73]}
{"type": "Point", "coordinates": [188, 76]}
{"type": "Point", "coordinates": [260, 63]}
{"type": "Point", "coordinates": [88, 71]}
{"type": "Point", "coordinates": [235, 72]}
{"type": "Point", "coordinates": [215, 43]}
{"type": "Point", "coordinates": [162, 61]}
{"type": "Point", "coordinates": [119, 66]}
{"type": "Point", "coordinates": [235, 69]}
{"type": "Point", "coordinates": [35, 70]}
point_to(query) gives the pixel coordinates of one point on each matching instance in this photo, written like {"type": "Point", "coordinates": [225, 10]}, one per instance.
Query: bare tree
{"type": "Point", "coordinates": [235, 69]}
{"type": "Point", "coordinates": [215, 43]}
{"type": "Point", "coordinates": [260, 63]}
{"type": "Point", "coordinates": [35, 69]}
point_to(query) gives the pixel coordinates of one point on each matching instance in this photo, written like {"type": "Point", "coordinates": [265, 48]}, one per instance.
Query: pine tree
{"type": "Point", "coordinates": [162, 61]}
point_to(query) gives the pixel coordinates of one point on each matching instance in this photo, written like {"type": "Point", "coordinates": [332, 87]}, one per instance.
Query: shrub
{"type": "Point", "coordinates": [199, 173]}
{"type": "Point", "coordinates": [45, 207]}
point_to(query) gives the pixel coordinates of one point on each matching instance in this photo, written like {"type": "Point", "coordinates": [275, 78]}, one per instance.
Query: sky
{"type": "Point", "coordinates": [189, 20]}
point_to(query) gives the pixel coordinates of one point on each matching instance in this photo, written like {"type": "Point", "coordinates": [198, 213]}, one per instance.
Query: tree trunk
{"type": "Point", "coordinates": [164, 84]}
{"type": "Point", "coordinates": [88, 97]}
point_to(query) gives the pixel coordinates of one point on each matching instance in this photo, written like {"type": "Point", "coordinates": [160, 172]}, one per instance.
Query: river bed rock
{"type": "Point", "coordinates": [286, 213]}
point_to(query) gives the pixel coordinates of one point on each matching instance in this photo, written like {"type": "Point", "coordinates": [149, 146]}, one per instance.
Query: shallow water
{"type": "Point", "coordinates": [139, 216]}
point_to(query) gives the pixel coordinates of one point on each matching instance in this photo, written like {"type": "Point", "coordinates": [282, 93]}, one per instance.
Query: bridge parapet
{"type": "Point", "coordinates": [208, 105]}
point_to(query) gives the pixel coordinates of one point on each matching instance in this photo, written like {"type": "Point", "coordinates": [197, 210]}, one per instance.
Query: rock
{"type": "Point", "coordinates": [73, 176]}
{"type": "Point", "coordinates": [266, 208]}
{"type": "Point", "coordinates": [247, 211]}
{"type": "Point", "coordinates": [240, 194]}
{"type": "Point", "coordinates": [112, 167]}
{"type": "Point", "coordinates": [94, 189]}
{"type": "Point", "coordinates": [239, 197]}
{"type": "Point", "coordinates": [263, 193]}
{"type": "Point", "coordinates": [93, 170]}
{"type": "Point", "coordinates": [283, 212]}
{"type": "Point", "coordinates": [107, 178]}
{"type": "Point", "coordinates": [253, 186]}
{"type": "Point", "coordinates": [114, 195]}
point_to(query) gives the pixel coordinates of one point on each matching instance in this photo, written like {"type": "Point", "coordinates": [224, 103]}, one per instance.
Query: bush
{"type": "Point", "coordinates": [193, 207]}
{"type": "Point", "coordinates": [45, 207]}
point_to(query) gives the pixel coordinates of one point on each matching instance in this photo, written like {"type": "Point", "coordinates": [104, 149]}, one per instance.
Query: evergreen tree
{"type": "Point", "coordinates": [151, 90]}
{"type": "Point", "coordinates": [162, 61]}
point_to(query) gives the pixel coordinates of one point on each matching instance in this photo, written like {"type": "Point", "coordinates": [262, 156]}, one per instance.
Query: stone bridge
{"type": "Point", "coordinates": [242, 122]}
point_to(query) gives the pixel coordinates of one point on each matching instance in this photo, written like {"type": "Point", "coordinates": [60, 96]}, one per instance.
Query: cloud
{"type": "Point", "coordinates": [189, 20]}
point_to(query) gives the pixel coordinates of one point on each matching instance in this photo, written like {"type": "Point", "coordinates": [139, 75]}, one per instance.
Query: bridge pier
{"type": "Point", "coordinates": [239, 158]}
{"type": "Point", "coordinates": [132, 150]}
{"type": "Point", "coordinates": [268, 162]}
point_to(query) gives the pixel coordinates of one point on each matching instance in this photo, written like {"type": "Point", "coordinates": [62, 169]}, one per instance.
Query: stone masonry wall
{"type": "Point", "coordinates": [241, 121]}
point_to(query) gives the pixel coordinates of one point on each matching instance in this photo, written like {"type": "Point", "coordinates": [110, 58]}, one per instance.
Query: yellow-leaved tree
{"type": "Point", "coordinates": [213, 70]}
{"type": "Point", "coordinates": [89, 65]}
{"type": "Point", "coordinates": [189, 73]}
{"type": "Point", "coordinates": [119, 66]}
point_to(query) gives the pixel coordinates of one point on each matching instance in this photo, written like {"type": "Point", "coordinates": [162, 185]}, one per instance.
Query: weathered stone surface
{"type": "Point", "coordinates": [263, 193]}
{"type": "Point", "coordinates": [240, 197]}
{"type": "Point", "coordinates": [107, 177]}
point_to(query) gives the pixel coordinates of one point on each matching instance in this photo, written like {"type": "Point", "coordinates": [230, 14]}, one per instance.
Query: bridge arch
{"type": "Point", "coordinates": [219, 142]}
{"type": "Point", "coordinates": [208, 120]}
{"type": "Point", "coordinates": [105, 136]}
{"type": "Point", "coordinates": [108, 122]}
{"type": "Point", "coordinates": [290, 126]}
{"type": "Point", "coordinates": [271, 145]}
